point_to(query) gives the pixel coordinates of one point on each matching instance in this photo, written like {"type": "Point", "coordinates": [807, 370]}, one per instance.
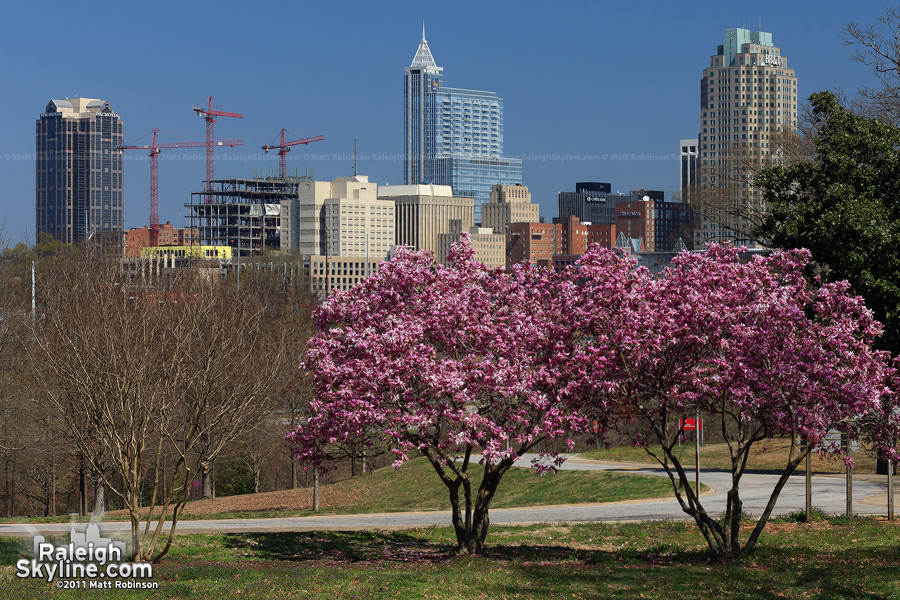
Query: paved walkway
{"type": "Point", "coordinates": [828, 495]}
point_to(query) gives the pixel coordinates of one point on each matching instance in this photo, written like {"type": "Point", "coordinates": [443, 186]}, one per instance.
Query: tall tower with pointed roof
{"type": "Point", "coordinates": [423, 78]}
{"type": "Point", "coordinates": [452, 136]}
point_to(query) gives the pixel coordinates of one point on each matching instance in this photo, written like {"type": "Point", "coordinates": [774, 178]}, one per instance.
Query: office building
{"type": "Point", "coordinates": [359, 224]}
{"type": "Point", "coordinates": [303, 227]}
{"type": "Point", "coordinates": [138, 238]}
{"type": "Point", "coordinates": [489, 247]}
{"type": "Point", "coordinates": [661, 226]}
{"type": "Point", "coordinates": [423, 212]}
{"type": "Point", "coordinates": [79, 174]}
{"type": "Point", "coordinates": [592, 202]}
{"type": "Point", "coordinates": [508, 204]}
{"type": "Point", "coordinates": [452, 136]}
{"type": "Point", "coordinates": [328, 274]}
{"type": "Point", "coordinates": [342, 229]}
{"type": "Point", "coordinates": [748, 96]}
{"type": "Point", "coordinates": [555, 244]}
{"type": "Point", "coordinates": [687, 176]}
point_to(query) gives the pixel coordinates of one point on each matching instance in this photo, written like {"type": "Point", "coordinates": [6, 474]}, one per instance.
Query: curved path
{"type": "Point", "coordinates": [829, 494]}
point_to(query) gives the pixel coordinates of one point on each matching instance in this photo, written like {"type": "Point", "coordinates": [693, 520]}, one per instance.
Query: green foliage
{"type": "Point", "coordinates": [844, 207]}
{"type": "Point", "coordinates": [799, 516]}
{"type": "Point", "coordinates": [233, 477]}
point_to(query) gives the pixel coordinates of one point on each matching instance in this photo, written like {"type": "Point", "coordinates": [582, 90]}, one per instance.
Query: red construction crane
{"type": "Point", "coordinates": [154, 149]}
{"type": "Point", "coordinates": [285, 147]}
{"type": "Point", "coordinates": [210, 114]}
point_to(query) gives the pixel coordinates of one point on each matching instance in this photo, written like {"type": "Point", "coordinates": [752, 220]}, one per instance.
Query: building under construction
{"type": "Point", "coordinates": [244, 214]}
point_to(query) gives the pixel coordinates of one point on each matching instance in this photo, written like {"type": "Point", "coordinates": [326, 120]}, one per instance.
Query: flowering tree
{"type": "Point", "coordinates": [749, 344]}
{"type": "Point", "coordinates": [449, 361]}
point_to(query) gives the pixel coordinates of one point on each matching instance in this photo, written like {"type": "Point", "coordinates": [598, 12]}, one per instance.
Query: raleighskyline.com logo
{"type": "Point", "coordinates": [87, 561]}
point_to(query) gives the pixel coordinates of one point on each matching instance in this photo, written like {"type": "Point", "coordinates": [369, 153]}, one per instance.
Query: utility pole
{"type": "Point", "coordinates": [849, 478]}
{"type": "Point", "coordinates": [697, 447]}
{"type": "Point", "coordinates": [890, 490]}
{"type": "Point", "coordinates": [808, 485]}
{"type": "Point", "coordinates": [33, 299]}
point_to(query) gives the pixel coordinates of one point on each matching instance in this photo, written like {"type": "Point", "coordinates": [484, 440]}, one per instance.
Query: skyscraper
{"type": "Point", "coordinates": [509, 204]}
{"type": "Point", "coordinates": [79, 172]}
{"type": "Point", "coordinates": [452, 136]}
{"type": "Point", "coordinates": [689, 158]}
{"type": "Point", "coordinates": [748, 96]}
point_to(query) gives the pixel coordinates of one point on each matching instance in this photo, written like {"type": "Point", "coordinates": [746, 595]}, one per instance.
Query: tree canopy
{"type": "Point", "coordinates": [463, 364]}
{"type": "Point", "coordinates": [844, 206]}
{"type": "Point", "coordinates": [749, 345]}
{"type": "Point", "coordinates": [453, 362]}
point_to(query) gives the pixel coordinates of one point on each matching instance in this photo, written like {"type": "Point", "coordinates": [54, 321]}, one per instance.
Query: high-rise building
{"type": "Point", "coordinates": [509, 204]}
{"type": "Point", "coordinates": [79, 173]}
{"type": "Point", "coordinates": [747, 97]}
{"type": "Point", "coordinates": [359, 224]}
{"type": "Point", "coordinates": [452, 136]}
{"type": "Point", "coordinates": [424, 212]}
{"type": "Point", "coordinates": [303, 222]}
{"type": "Point", "coordinates": [592, 202]}
{"type": "Point", "coordinates": [687, 176]}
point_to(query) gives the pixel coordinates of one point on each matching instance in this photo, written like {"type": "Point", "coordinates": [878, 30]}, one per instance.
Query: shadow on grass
{"type": "Point", "coordinates": [341, 546]}
{"type": "Point", "coordinates": [842, 572]}
{"type": "Point", "coordinates": [11, 549]}
{"type": "Point", "coordinates": [371, 546]}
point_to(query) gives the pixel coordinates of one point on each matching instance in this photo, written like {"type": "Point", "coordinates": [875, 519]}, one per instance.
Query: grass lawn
{"type": "Point", "coordinates": [765, 456]}
{"type": "Point", "coordinates": [824, 559]}
{"type": "Point", "coordinates": [416, 486]}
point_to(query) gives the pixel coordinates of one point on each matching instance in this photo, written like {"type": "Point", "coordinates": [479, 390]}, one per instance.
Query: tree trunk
{"type": "Point", "coordinates": [82, 490]}
{"type": "Point", "coordinates": [293, 472]}
{"type": "Point", "coordinates": [9, 489]}
{"type": "Point", "coordinates": [53, 485]}
{"type": "Point", "coordinates": [99, 498]}
{"type": "Point", "coordinates": [207, 487]}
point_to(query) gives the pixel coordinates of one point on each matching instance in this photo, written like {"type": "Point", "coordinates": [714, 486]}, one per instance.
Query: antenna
{"type": "Point", "coordinates": [354, 157]}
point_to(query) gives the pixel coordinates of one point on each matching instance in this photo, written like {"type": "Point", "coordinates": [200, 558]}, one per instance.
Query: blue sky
{"type": "Point", "coordinates": [577, 79]}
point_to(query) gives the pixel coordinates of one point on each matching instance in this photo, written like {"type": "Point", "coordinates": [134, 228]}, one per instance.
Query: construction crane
{"type": "Point", "coordinates": [154, 149]}
{"type": "Point", "coordinates": [210, 114]}
{"type": "Point", "coordinates": [285, 147]}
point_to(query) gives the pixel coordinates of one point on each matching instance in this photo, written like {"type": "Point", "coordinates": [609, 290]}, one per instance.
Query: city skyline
{"type": "Point", "coordinates": [593, 92]}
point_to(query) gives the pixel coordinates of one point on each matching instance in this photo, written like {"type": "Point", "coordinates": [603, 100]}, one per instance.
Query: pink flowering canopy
{"type": "Point", "coordinates": [750, 344]}
{"type": "Point", "coordinates": [450, 361]}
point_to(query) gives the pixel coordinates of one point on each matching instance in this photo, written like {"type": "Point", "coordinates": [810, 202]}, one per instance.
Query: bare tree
{"type": "Point", "coordinates": [143, 376]}
{"type": "Point", "coordinates": [878, 47]}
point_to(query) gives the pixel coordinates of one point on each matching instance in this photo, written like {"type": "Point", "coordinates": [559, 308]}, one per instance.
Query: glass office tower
{"type": "Point", "coordinates": [79, 172]}
{"type": "Point", "coordinates": [453, 136]}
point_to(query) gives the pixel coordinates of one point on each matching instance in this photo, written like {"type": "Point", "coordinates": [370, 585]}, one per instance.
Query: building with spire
{"type": "Point", "coordinates": [748, 97]}
{"type": "Point", "coordinates": [452, 136]}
